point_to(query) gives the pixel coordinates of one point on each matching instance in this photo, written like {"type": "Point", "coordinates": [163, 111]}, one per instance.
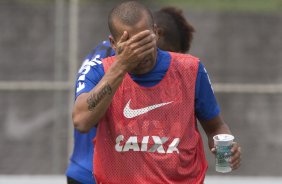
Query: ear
{"type": "Point", "coordinates": [158, 31]}
{"type": "Point", "coordinates": [112, 41]}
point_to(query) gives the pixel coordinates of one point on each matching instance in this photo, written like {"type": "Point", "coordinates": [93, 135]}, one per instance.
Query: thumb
{"type": "Point", "coordinates": [213, 150]}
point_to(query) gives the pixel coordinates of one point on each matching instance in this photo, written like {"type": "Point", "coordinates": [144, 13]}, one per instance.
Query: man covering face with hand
{"type": "Point", "coordinates": [145, 107]}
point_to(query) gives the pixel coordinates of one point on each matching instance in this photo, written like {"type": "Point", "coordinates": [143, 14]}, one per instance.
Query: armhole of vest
{"type": "Point", "coordinates": [198, 64]}
{"type": "Point", "coordinates": [172, 56]}
{"type": "Point", "coordinates": [197, 60]}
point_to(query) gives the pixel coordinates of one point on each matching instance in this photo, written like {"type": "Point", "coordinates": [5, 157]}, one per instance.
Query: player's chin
{"type": "Point", "coordinates": [143, 67]}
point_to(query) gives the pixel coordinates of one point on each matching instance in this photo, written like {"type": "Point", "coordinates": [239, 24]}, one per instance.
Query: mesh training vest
{"type": "Point", "coordinates": [149, 134]}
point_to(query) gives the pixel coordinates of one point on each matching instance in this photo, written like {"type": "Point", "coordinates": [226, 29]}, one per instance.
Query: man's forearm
{"type": "Point", "coordinates": [90, 107]}
{"type": "Point", "coordinates": [213, 127]}
{"type": "Point", "coordinates": [95, 98]}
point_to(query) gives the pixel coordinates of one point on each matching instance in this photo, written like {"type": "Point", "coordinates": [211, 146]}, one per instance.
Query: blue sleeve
{"type": "Point", "coordinates": [92, 70]}
{"type": "Point", "coordinates": [206, 106]}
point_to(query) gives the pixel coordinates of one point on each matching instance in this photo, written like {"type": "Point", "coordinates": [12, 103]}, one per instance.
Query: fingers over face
{"type": "Point", "coordinates": [151, 38]}
{"type": "Point", "coordinates": [139, 36]}
{"type": "Point", "coordinates": [145, 53]}
{"type": "Point", "coordinates": [121, 42]}
{"type": "Point", "coordinates": [146, 46]}
{"type": "Point", "coordinates": [124, 37]}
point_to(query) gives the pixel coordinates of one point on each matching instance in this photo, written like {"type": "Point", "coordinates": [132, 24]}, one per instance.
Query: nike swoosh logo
{"type": "Point", "coordinates": [26, 126]}
{"type": "Point", "coordinates": [131, 113]}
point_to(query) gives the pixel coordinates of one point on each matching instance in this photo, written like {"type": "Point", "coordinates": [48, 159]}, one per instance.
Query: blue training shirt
{"type": "Point", "coordinates": [92, 72]}
{"type": "Point", "coordinates": [80, 166]}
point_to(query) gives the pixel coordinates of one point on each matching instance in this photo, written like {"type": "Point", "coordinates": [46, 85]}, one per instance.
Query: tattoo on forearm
{"type": "Point", "coordinates": [94, 99]}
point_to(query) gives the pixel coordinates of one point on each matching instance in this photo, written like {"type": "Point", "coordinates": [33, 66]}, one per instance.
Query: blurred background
{"type": "Point", "coordinates": [43, 42]}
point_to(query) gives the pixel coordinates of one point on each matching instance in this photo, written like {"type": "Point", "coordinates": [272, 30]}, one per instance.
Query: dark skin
{"type": "Point", "coordinates": [136, 51]}
{"type": "Point", "coordinates": [145, 61]}
{"type": "Point", "coordinates": [218, 126]}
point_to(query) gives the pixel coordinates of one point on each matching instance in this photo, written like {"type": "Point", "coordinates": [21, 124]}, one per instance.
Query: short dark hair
{"type": "Point", "coordinates": [129, 13]}
{"type": "Point", "coordinates": [177, 32]}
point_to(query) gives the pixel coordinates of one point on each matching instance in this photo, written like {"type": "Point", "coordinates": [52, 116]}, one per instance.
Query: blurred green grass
{"type": "Point", "coordinates": [227, 5]}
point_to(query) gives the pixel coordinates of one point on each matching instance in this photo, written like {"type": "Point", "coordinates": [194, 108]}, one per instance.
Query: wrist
{"type": "Point", "coordinates": [118, 67]}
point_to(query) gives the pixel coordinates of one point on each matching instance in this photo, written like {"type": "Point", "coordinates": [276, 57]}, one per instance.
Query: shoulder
{"type": "Point", "coordinates": [184, 57]}
{"type": "Point", "coordinates": [94, 59]}
{"type": "Point", "coordinates": [202, 68]}
{"type": "Point", "coordinates": [185, 61]}
{"type": "Point", "coordinates": [102, 50]}
{"type": "Point", "coordinates": [91, 63]}
{"type": "Point", "coordinates": [102, 46]}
